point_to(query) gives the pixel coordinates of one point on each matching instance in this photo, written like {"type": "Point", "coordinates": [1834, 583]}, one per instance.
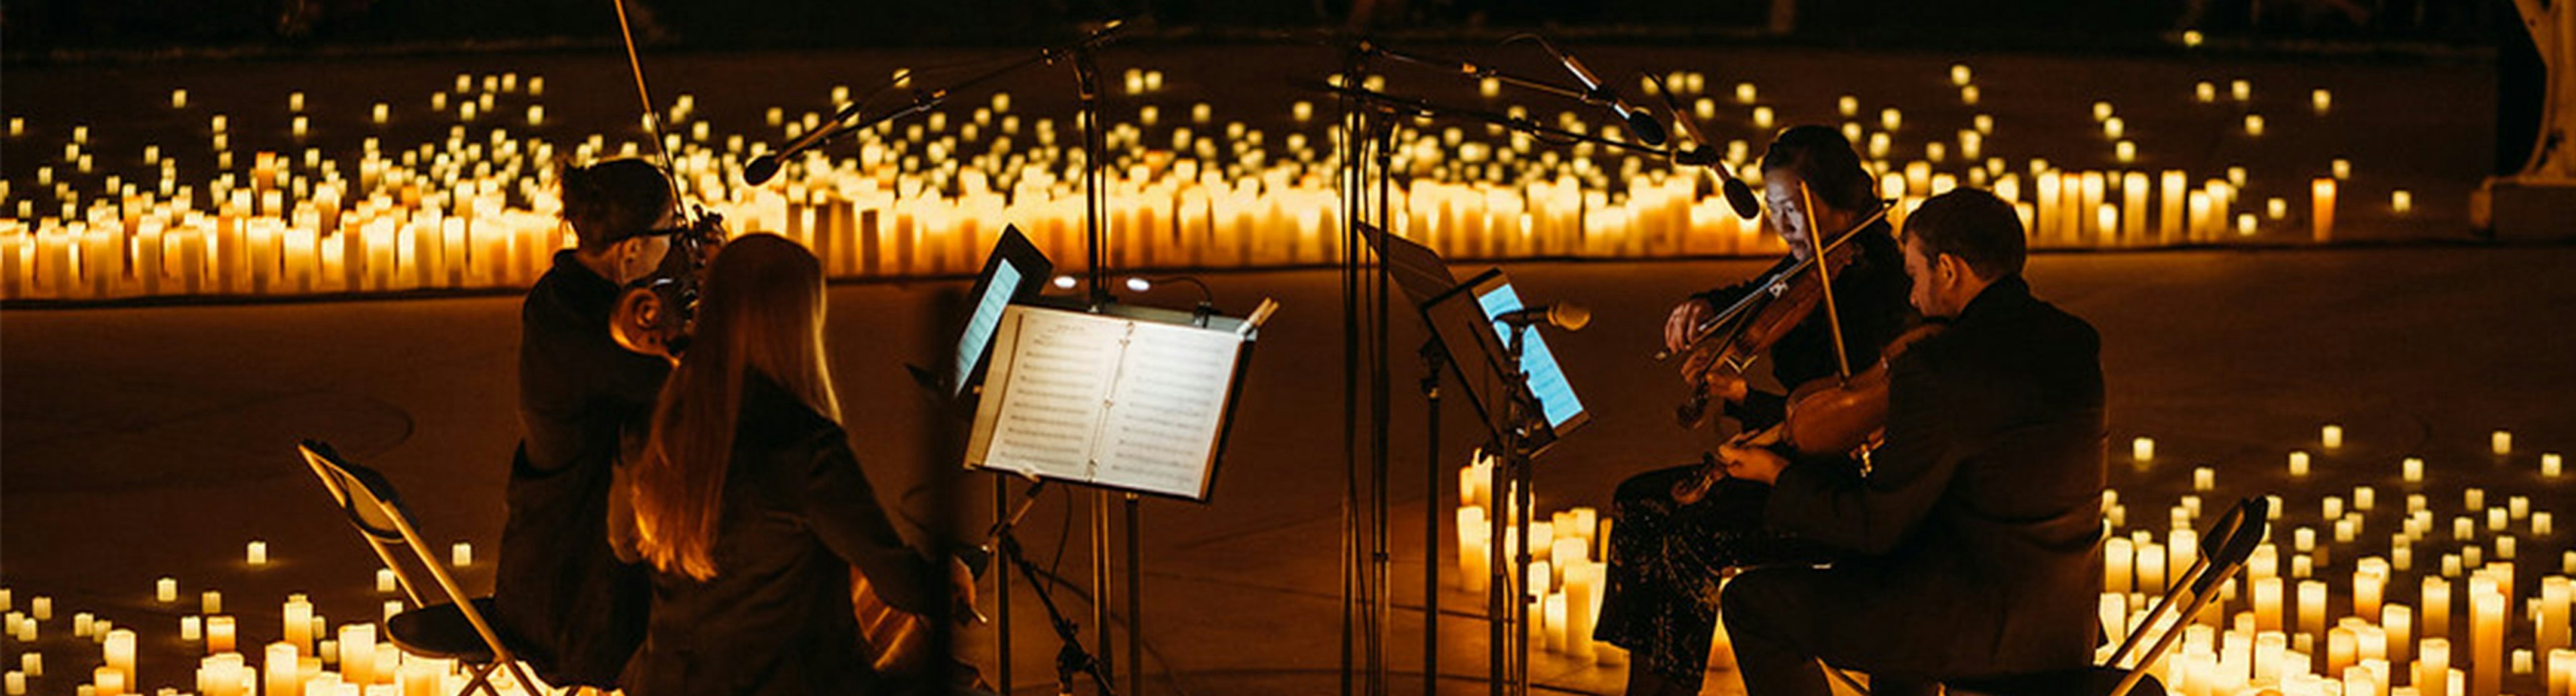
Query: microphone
{"type": "Point", "coordinates": [759, 169]}
{"type": "Point", "coordinates": [1640, 122]}
{"type": "Point", "coordinates": [1564, 315]}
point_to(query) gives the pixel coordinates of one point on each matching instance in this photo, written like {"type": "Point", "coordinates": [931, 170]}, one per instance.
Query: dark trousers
{"type": "Point", "coordinates": [1666, 560]}
{"type": "Point", "coordinates": [1783, 620]}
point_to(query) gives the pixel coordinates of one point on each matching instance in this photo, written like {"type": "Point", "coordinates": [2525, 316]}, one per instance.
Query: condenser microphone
{"type": "Point", "coordinates": [1563, 315]}
{"type": "Point", "coordinates": [1640, 122]}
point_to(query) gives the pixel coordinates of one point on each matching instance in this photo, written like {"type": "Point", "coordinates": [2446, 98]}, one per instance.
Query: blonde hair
{"type": "Point", "coordinates": [762, 312]}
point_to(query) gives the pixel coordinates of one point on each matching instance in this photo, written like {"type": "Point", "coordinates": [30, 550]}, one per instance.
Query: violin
{"type": "Point", "coordinates": [1728, 345]}
{"type": "Point", "coordinates": [656, 315]}
{"type": "Point", "coordinates": [1846, 415]}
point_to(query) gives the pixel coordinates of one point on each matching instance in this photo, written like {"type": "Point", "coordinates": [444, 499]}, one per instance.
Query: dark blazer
{"type": "Point", "coordinates": [574, 612]}
{"type": "Point", "coordinates": [1870, 294]}
{"type": "Point", "coordinates": [1981, 522]}
{"type": "Point", "coordinates": [797, 515]}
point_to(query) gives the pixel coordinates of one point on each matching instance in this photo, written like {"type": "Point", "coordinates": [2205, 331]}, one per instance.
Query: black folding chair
{"type": "Point", "coordinates": [2222, 552]}
{"type": "Point", "coordinates": [453, 630]}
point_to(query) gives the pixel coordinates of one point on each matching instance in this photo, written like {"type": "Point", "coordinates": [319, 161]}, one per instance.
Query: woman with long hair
{"type": "Point", "coordinates": [750, 507]}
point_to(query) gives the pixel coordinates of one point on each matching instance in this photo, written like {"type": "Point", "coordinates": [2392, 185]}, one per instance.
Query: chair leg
{"type": "Point", "coordinates": [482, 681]}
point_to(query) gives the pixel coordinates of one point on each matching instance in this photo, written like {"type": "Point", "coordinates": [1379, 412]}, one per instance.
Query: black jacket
{"type": "Point", "coordinates": [1870, 295]}
{"type": "Point", "coordinates": [1981, 523]}
{"type": "Point", "coordinates": [797, 515]}
{"type": "Point", "coordinates": [573, 611]}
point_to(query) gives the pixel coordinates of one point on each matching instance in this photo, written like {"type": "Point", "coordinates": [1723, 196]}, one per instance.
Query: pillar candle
{"type": "Point", "coordinates": [2151, 567]}
{"type": "Point", "coordinates": [120, 653]}
{"type": "Point", "coordinates": [461, 555]}
{"type": "Point", "coordinates": [219, 634]}
{"type": "Point", "coordinates": [1582, 596]}
{"type": "Point", "coordinates": [2550, 629]}
{"type": "Point", "coordinates": [2117, 557]}
{"type": "Point", "coordinates": [283, 676]}
{"type": "Point", "coordinates": [257, 552]}
{"type": "Point", "coordinates": [358, 653]}
{"type": "Point", "coordinates": [2267, 603]}
{"type": "Point", "coordinates": [192, 628]}
{"type": "Point", "coordinates": [2331, 436]}
{"type": "Point", "coordinates": [2432, 669]}
{"type": "Point", "coordinates": [2486, 643]}
{"type": "Point", "coordinates": [2312, 607]}
{"type": "Point", "coordinates": [2562, 671]}
{"type": "Point", "coordinates": [2398, 622]}
{"type": "Point", "coordinates": [297, 620]}
{"type": "Point", "coordinates": [165, 590]}
{"type": "Point", "coordinates": [106, 681]}
{"type": "Point", "coordinates": [2369, 586]}
{"type": "Point", "coordinates": [2322, 189]}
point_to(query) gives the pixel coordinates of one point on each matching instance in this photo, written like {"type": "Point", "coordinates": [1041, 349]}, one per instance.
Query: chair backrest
{"type": "Point", "coordinates": [2232, 539]}
{"type": "Point", "coordinates": [362, 494]}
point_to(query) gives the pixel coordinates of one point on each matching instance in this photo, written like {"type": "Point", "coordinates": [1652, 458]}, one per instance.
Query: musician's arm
{"type": "Point", "coordinates": [844, 511]}
{"type": "Point", "coordinates": [1759, 409]}
{"type": "Point", "coordinates": [622, 538]}
{"type": "Point", "coordinates": [1925, 425]}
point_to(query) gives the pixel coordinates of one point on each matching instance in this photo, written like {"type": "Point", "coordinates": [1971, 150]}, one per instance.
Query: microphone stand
{"type": "Point", "coordinates": [1545, 134]}
{"type": "Point", "coordinates": [1600, 96]}
{"type": "Point", "coordinates": [923, 100]}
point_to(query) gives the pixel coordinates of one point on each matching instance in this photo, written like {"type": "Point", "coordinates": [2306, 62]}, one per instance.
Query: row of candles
{"type": "Point", "coordinates": [2302, 630]}
{"type": "Point", "coordinates": [922, 199]}
{"type": "Point", "coordinates": [1568, 572]}
{"type": "Point", "coordinates": [310, 657]}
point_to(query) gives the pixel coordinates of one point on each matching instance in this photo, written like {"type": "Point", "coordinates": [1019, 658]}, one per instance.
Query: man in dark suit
{"type": "Point", "coordinates": [1976, 533]}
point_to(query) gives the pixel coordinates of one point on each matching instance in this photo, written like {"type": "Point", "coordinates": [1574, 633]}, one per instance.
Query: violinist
{"type": "Point", "coordinates": [571, 609]}
{"type": "Point", "coordinates": [1972, 543]}
{"type": "Point", "coordinates": [1667, 552]}
{"type": "Point", "coordinates": [751, 508]}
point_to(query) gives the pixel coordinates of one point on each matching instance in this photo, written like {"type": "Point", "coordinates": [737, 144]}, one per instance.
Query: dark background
{"type": "Point", "coordinates": [43, 29]}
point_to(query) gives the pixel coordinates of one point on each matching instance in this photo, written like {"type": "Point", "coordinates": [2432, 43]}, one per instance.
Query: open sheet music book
{"type": "Point", "coordinates": [1107, 400]}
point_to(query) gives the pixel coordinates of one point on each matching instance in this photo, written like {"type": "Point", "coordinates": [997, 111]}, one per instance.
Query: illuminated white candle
{"type": "Point", "coordinates": [165, 590]}
{"type": "Point", "coordinates": [2204, 479]}
{"type": "Point", "coordinates": [2486, 643]}
{"type": "Point", "coordinates": [2562, 672]}
{"type": "Point", "coordinates": [219, 634]}
{"type": "Point", "coordinates": [2412, 469]}
{"type": "Point", "coordinates": [1746, 93]}
{"type": "Point", "coordinates": [2401, 201]}
{"type": "Point", "coordinates": [2433, 667]}
{"type": "Point", "coordinates": [2551, 464]}
{"type": "Point", "coordinates": [2142, 449]}
{"type": "Point", "coordinates": [2151, 567]}
{"type": "Point", "coordinates": [2342, 168]}
{"type": "Point", "coordinates": [2397, 621]}
{"type": "Point", "coordinates": [2312, 607]}
{"type": "Point", "coordinates": [210, 602]}
{"type": "Point", "coordinates": [284, 678]}
{"type": "Point", "coordinates": [2435, 611]}
{"type": "Point", "coordinates": [119, 651]}
{"type": "Point", "coordinates": [2331, 436]}
{"type": "Point", "coordinates": [385, 580]}
{"type": "Point", "coordinates": [297, 621]}
{"type": "Point", "coordinates": [2298, 463]}
{"type": "Point", "coordinates": [2267, 603]}
{"type": "Point", "coordinates": [2540, 523]}
{"type": "Point", "coordinates": [358, 652]}
{"type": "Point", "coordinates": [460, 555]}
{"type": "Point", "coordinates": [257, 553]}
{"type": "Point", "coordinates": [2118, 555]}
{"type": "Point", "coordinates": [2323, 100]}
{"type": "Point", "coordinates": [192, 628]}
{"type": "Point", "coordinates": [2322, 192]}
{"type": "Point", "coordinates": [2254, 124]}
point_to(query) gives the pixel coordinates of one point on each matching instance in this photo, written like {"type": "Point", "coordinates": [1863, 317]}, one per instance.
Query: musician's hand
{"type": "Point", "coordinates": [962, 582]}
{"type": "Point", "coordinates": [1752, 463]}
{"type": "Point", "coordinates": [1686, 317]}
{"type": "Point", "coordinates": [1728, 387]}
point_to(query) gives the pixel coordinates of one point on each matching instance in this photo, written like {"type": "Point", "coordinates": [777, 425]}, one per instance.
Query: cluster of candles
{"type": "Point", "coordinates": [309, 658]}
{"type": "Point", "coordinates": [2309, 628]}
{"type": "Point", "coordinates": [2275, 629]}
{"type": "Point", "coordinates": [922, 198]}
{"type": "Point", "coordinates": [1568, 571]}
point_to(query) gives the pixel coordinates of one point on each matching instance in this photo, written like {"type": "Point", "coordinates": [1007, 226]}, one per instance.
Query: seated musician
{"type": "Point", "coordinates": [750, 507]}
{"type": "Point", "coordinates": [573, 611]}
{"type": "Point", "coordinates": [1666, 554]}
{"type": "Point", "coordinates": [1975, 533]}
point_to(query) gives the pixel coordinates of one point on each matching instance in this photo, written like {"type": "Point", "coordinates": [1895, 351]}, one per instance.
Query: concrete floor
{"type": "Point", "coordinates": [149, 442]}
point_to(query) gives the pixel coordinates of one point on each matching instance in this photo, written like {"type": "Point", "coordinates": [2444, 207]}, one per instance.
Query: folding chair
{"type": "Point", "coordinates": [455, 630]}
{"type": "Point", "coordinates": [2222, 552]}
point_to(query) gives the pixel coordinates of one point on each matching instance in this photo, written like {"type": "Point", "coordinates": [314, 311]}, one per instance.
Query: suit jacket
{"type": "Point", "coordinates": [1979, 527]}
{"type": "Point", "coordinates": [777, 619]}
{"type": "Point", "coordinates": [573, 611]}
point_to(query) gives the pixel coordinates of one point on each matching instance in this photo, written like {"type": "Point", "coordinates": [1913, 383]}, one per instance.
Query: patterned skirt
{"type": "Point", "coordinates": [1666, 560]}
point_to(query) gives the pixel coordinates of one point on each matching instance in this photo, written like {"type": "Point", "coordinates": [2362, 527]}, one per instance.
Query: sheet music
{"type": "Point", "coordinates": [1108, 400]}
{"type": "Point", "coordinates": [1166, 407]}
{"type": "Point", "coordinates": [1059, 369]}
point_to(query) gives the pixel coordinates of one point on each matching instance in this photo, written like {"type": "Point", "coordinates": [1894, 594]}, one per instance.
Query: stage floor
{"type": "Point", "coordinates": [151, 442]}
